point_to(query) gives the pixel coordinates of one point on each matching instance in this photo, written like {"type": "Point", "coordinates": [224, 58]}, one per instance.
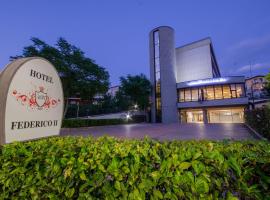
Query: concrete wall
{"type": "Point", "coordinates": [167, 74]}
{"type": "Point", "coordinates": [193, 62]}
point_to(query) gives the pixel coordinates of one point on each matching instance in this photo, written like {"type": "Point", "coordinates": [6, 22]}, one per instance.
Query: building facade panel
{"type": "Point", "coordinates": [193, 64]}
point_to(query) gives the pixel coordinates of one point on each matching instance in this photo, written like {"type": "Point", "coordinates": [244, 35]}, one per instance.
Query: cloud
{"type": "Point", "coordinates": [257, 66]}
{"type": "Point", "coordinates": [257, 43]}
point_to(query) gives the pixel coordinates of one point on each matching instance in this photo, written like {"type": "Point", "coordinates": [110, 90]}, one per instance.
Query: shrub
{"type": "Point", "coordinates": [75, 123]}
{"type": "Point", "coordinates": [108, 168]}
{"type": "Point", "coordinates": [259, 119]}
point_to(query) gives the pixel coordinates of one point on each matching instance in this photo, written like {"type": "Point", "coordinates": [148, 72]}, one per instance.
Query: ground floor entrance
{"type": "Point", "coordinates": [213, 115]}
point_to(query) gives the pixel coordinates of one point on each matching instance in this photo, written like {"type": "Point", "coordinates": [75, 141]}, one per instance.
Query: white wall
{"type": "Point", "coordinates": [193, 63]}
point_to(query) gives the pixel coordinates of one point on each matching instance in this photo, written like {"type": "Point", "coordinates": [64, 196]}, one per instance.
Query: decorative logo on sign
{"type": "Point", "coordinates": [36, 99]}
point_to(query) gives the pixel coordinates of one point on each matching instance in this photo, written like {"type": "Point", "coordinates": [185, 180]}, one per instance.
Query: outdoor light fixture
{"type": "Point", "coordinates": [128, 116]}
{"type": "Point", "coordinates": [207, 81]}
{"type": "Point", "coordinates": [135, 106]}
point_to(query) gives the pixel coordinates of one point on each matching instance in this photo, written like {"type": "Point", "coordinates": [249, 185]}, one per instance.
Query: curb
{"type": "Point", "coordinates": [255, 132]}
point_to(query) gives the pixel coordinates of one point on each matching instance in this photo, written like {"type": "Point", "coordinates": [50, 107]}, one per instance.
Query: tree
{"type": "Point", "coordinates": [79, 74]}
{"type": "Point", "coordinates": [267, 87]}
{"type": "Point", "coordinates": [135, 90]}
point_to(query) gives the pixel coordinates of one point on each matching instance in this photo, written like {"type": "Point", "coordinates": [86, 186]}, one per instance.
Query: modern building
{"type": "Point", "coordinates": [256, 93]}
{"type": "Point", "coordinates": [187, 84]}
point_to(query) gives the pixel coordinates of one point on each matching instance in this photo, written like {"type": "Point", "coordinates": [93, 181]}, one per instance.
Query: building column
{"type": "Point", "coordinates": [205, 118]}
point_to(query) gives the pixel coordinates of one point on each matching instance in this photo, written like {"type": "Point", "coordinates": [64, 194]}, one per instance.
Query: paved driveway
{"type": "Point", "coordinates": [167, 131]}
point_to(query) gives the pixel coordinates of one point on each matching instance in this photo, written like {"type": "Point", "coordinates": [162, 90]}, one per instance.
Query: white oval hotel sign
{"type": "Point", "coordinates": [31, 100]}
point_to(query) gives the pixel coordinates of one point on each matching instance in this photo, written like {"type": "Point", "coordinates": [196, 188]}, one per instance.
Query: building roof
{"type": "Point", "coordinates": [256, 76]}
{"type": "Point", "coordinates": [196, 44]}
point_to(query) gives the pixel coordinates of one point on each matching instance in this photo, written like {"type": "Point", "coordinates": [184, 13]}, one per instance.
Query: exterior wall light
{"type": "Point", "coordinates": [207, 81]}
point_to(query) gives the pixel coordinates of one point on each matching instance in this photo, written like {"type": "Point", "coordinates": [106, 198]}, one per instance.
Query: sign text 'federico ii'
{"type": "Point", "coordinates": [31, 100]}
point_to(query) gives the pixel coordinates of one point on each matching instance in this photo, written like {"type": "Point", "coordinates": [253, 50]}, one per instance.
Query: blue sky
{"type": "Point", "coordinates": [115, 33]}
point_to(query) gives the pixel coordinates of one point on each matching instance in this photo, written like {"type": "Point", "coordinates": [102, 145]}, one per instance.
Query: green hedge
{"type": "Point", "coordinates": [108, 168]}
{"type": "Point", "coordinates": [75, 123]}
{"type": "Point", "coordinates": [259, 119]}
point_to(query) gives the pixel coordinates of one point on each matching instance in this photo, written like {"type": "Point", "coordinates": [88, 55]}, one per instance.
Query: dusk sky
{"type": "Point", "coordinates": [115, 33]}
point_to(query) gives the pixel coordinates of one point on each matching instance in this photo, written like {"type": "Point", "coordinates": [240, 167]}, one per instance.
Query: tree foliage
{"type": "Point", "coordinates": [79, 74]}
{"type": "Point", "coordinates": [135, 90]}
{"type": "Point", "coordinates": [267, 87]}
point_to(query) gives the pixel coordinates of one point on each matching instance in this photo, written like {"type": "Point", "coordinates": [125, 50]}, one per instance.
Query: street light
{"type": "Point", "coordinates": [128, 116]}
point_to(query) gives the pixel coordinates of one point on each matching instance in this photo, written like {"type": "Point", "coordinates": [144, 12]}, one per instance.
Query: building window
{"type": "Point", "coordinates": [239, 90]}
{"type": "Point", "coordinates": [225, 115]}
{"type": "Point", "coordinates": [226, 92]}
{"type": "Point", "coordinates": [233, 91]}
{"type": "Point", "coordinates": [194, 94]}
{"type": "Point", "coordinates": [187, 95]}
{"type": "Point", "coordinates": [182, 96]}
{"type": "Point", "coordinates": [157, 77]}
{"type": "Point", "coordinates": [218, 92]}
{"type": "Point", "coordinates": [212, 92]}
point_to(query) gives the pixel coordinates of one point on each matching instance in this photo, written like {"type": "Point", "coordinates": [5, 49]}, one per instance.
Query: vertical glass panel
{"type": "Point", "coordinates": [193, 116]}
{"type": "Point", "coordinates": [210, 93]}
{"type": "Point", "coordinates": [187, 95]}
{"type": "Point", "coordinates": [226, 92]}
{"type": "Point", "coordinates": [194, 93]}
{"type": "Point", "coordinates": [157, 77]}
{"type": "Point", "coordinates": [239, 90]}
{"type": "Point", "coordinates": [182, 96]}
{"type": "Point", "coordinates": [183, 116]}
{"type": "Point", "coordinates": [158, 88]}
{"type": "Point", "coordinates": [156, 37]}
{"type": "Point", "coordinates": [233, 90]}
{"type": "Point", "coordinates": [156, 51]}
{"type": "Point", "coordinates": [157, 64]}
{"type": "Point", "coordinates": [218, 92]}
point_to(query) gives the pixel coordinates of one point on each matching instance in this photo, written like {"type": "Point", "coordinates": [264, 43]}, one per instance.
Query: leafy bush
{"type": "Point", "coordinates": [75, 123]}
{"type": "Point", "coordinates": [259, 119]}
{"type": "Point", "coordinates": [108, 168]}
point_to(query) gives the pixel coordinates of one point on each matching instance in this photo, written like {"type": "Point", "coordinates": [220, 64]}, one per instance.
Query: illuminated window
{"type": "Point", "coordinates": [182, 96]}
{"type": "Point", "coordinates": [194, 93]}
{"type": "Point", "coordinates": [187, 95]}
{"type": "Point", "coordinates": [233, 91]}
{"type": "Point", "coordinates": [218, 92]}
{"type": "Point", "coordinates": [210, 93]}
{"type": "Point", "coordinates": [239, 90]}
{"type": "Point", "coordinates": [226, 92]}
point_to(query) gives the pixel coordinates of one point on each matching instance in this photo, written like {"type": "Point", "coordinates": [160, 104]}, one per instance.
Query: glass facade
{"type": "Point", "coordinates": [192, 116]}
{"type": "Point", "coordinates": [212, 92]}
{"type": "Point", "coordinates": [225, 115]}
{"type": "Point", "coordinates": [214, 115]}
{"type": "Point", "coordinates": [158, 102]}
